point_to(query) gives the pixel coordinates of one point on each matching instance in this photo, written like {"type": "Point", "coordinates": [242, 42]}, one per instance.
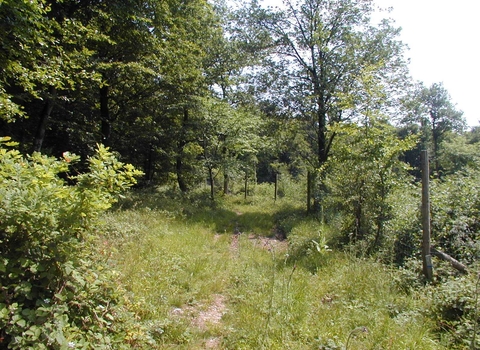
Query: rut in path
{"type": "Point", "coordinates": [212, 314]}
{"type": "Point", "coordinates": [202, 320]}
{"type": "Point", "coordinates": [278, 242]}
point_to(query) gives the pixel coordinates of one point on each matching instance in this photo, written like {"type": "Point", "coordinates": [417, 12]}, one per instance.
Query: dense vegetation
{"type": "Point", "coordinates": [298, 123]}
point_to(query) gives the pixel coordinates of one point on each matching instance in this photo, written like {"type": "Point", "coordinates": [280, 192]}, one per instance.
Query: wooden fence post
{"type": "Point", "coordinates": [276, 186]}
{"type": "Point", "coordinates": [426, 256]}
{"type": "Point", "coordinates": [246, 183]}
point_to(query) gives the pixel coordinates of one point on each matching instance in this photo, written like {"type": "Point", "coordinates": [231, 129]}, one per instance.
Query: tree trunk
{"type": "Point", "coordinates": [106, 128]}
{"type": "Point", "coordinates": [358, 209]}
{"type": "Point", "coordinates": [276, 187]}
{"type": "Point", "coordinates": [226, 181]}
{"type": "Point", "coordinates": [318, 79]}
{"type": "Point", "coordinates": [435, 138]}
{"type": "Point", "coordinates": [212, 184]}
{"type": "Point", "coordinates": [455, 263]}
{"type": "Point", "coordinates": [182, 184]}
{"type": "Point", "coordinates": [358, 221]}
{"type": "Point", "coordinates": [149, 164]}
{"type": "Point", "coordinates": [246, 183]}
{"type": "Point", "coordinates": [381, 217]}
{"type": "Point", "coordinates": [44, 116]}
{"type": "Point", "coordinates": [426, 225]}
{"type": "Point", "coordinates": [309, 191]}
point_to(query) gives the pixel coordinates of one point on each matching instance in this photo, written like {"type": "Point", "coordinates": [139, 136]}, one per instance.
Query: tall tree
{"type": "Point", "coordinates": [66, 59]}
{"type": "Point", "coordinates": [326, 48]}
{"type": "Point", "coordinates": [24, 30]}
{"type": "Point", "coordinates": [44, 58]}
{"type": "Point", "coordinates": [189, 32]}
{"type": "Point", "coordinates": [433, 111]}
{"type": "Point", "coordinates": [229, 139]}
{"type": "Point", "coordinates": [128, 54]}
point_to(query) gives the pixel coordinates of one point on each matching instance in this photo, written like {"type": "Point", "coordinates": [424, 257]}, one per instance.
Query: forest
{"type": "Point", "coordinates": [285, 140]}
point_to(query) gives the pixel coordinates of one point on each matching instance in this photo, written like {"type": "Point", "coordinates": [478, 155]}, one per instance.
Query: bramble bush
{"type": "Point", "coordinates": [456, 231]}
{"type": "Point", "coordinates": [455, 311]}
{"type": "Point", "coordinates": [54, 293]}
{"type": "Point", "coordinates": [456, 214]}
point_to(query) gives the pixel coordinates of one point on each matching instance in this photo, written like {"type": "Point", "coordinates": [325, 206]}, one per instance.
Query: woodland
{"type": "Point", "coordinates": [144, 142]}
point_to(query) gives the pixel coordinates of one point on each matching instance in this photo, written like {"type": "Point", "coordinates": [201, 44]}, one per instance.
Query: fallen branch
{"type": "Point", "coordinates": [444, 256]}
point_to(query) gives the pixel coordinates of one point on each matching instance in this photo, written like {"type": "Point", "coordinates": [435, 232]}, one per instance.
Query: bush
{"type": "Point", "coordinates": [456, 213]}
{"type": "Point", "coordinates": [364, 175]}
{"type": "Point", "coordinates": [455, 310]}
{"type": "Point", "coordinates": [308, 245]}
{"type": "Point", "coordinates": [52, 292]}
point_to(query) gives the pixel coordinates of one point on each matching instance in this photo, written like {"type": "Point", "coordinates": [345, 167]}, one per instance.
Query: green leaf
{"type": "Point", "coordinates": [22, 323]}
{"type": "Point", "coordinates": [3, 311]}
{"type": "Point", "coordinates": [3, 265]}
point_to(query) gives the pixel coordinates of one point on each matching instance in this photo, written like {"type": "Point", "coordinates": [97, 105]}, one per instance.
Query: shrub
{"type": "Point", "coordinates": [364, 175]}
{"type": "Point", "coordinates": [455, 214]}
{"type": "Point", "coordinates": [455, 310]}
{"type": "Point", "coordinates": [308, 246]}
{"type": "Point", "coordinates": [52, 293]}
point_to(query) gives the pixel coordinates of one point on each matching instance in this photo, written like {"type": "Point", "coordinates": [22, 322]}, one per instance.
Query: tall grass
{"type": "Point", "coordinates": [182, 259]}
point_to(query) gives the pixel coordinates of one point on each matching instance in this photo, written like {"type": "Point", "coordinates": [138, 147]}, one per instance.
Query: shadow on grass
{"type": "Point", "coordinates": [197, 207]}
{"type": "Point", "coordinates": [228, 221]}
{"type": "Point", "coordinates": [230, 215]}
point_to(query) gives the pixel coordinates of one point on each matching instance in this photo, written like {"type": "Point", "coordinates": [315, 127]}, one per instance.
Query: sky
{"type": "Point", "coordinates": [444, 41]}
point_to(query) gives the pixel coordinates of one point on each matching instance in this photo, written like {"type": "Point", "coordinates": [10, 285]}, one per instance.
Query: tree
{"type": "Point", "coordinates": [364, 176]}
{"type": "Point", "coordinates": [43, 60]}
{"type": "Point", "coordinates": [458, 154]}
{"type": "Point", "coordinates": [326, 48]}
{"type": "Point", "coordinates": [230, 140]}
{"type": "Point", "coordinates": [129, 74]}
{"type": "Point", "coordinates": [23, 32]}
{"type": "Point", "coordinates": [188, 33]}
{"type": "Point", "coordinates": [432, 109]}
{"type": "Point", "coordinates": [125, 58]}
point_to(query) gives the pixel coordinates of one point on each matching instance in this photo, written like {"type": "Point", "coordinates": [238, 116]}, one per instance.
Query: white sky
{"type": "Point", "coordinates": [444, 41]}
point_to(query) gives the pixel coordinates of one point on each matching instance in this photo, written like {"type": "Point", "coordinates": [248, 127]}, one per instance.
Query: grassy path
{"type": "Point", "coordinates": [216, 279]}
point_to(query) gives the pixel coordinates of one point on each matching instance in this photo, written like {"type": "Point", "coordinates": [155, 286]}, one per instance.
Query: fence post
{"type": "Point", "coordinates": [426, 256]}
{"type": "Point", "coordinates": [276, 186]}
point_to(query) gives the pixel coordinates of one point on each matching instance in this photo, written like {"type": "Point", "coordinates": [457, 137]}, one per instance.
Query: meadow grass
{"type": "Point", "coordinates": [213, 275]}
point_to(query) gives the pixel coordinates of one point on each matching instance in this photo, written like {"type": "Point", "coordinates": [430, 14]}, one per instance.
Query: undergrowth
{"type": "Point", "coordinates": [166, 270]}
{"type": "Point", "coordinates": [55, 289]}
{"type": "Point", "coordinates": [177, 255]}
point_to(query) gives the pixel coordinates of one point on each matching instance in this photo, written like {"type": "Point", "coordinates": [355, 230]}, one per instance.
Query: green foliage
{"type": "Point", "coordinates": [339, 66]}
{"type": "Point", "coordinates": [41, 50]}
{"type": "Point", "coordinates": [405, 224]}
{"type": "Point", "coordinates": [24, 30]}
{"type": "Point", "coordinates": [455, 309]}
{"type": "Point", "coordinates": [365, 173]}
{"type": "Point", "coordinates": [431, 112]}
{"type": "Point", "coordinates": [230, 140]}
{"type": "Point", "coordinates": [53, 292]}
{"type": "Point", "coordinates": [458, 154]}
{"type": "Point", "coordinates": [455, 214]}
{"type": "Point", "coordinates": [308, 245]}
{"type": "Point", "coordinates": [176, 98]}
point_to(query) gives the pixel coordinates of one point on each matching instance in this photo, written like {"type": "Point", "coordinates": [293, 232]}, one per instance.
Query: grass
{"type": "Point", "coordinates": [195, 284]}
